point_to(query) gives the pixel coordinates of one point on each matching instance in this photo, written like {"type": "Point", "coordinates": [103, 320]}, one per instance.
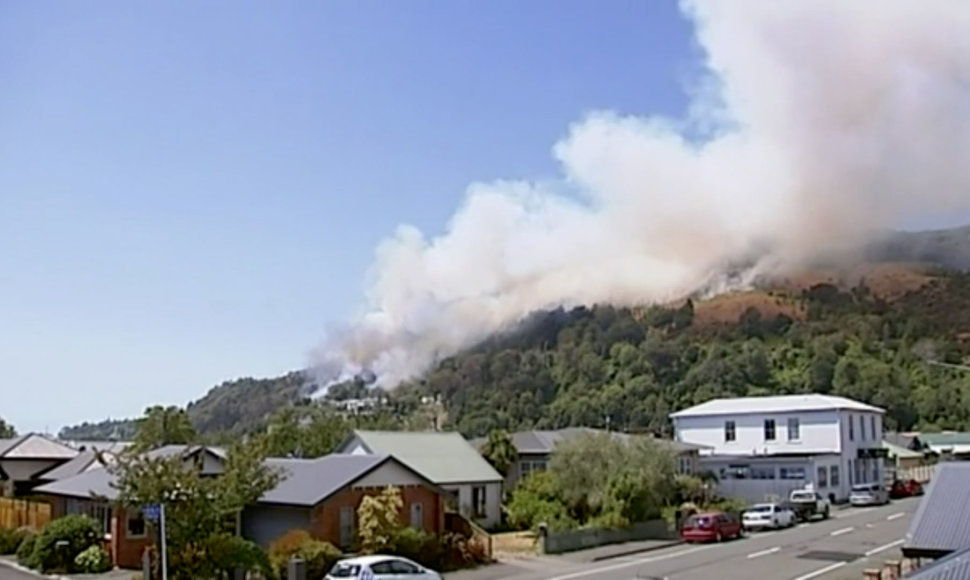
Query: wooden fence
{"type": "Point", "coordinates": [21, 513]}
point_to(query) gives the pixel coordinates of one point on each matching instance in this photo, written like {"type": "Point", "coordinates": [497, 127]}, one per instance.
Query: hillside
{"type": "Point", "coordinates": [862, 332]}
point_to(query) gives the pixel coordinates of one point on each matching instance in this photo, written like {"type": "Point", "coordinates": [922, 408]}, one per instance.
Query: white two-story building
{"type": "Point", "coordinates": [763, 447]}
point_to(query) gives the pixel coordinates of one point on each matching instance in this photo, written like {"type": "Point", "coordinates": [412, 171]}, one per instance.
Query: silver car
{"type": "Point", "coordinates": [868, 494]}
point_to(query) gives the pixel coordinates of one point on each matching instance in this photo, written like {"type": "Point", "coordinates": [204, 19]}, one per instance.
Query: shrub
{"type": "Point", "coordinates": [93, 560]}
{"type": "Point", "coordinates": [78, 534]}
{"type": "Point", "coordinates": [443, 553]}
{"type": "Point", "coordinates": [10, 540]}
{"type": "Point", "coordinates": [319, 556]}
{"type": "Point", "coordinates": [26, 552]}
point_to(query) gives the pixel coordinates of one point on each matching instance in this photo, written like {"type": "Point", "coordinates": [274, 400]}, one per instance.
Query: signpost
{"type": "Point", "coordinates": [156, 512]}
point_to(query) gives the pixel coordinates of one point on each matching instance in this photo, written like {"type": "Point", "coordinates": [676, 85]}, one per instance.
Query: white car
{"type": "Point", "coordinates": [378, 567]}
{"type": "Point", "coordinates": [767, 515]}
{"type": "Point", "coordinates": [868, 494]}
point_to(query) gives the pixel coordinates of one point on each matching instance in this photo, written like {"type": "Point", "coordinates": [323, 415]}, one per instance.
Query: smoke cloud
{"type": "Point", "coordinates": [825, 122]}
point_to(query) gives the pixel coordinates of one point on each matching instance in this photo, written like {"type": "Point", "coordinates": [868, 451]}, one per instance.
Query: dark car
{"type": "Point", "coordinates": [905, 488]}
{"type": "Point", "coordinates": [711, 527]}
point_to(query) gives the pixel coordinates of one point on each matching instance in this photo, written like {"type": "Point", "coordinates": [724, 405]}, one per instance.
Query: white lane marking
{"type": "Point", "coordinates": [842, 531]}
{"type": "Point", "coordinates": [595, 571]}
{"type": "Point", "coordinates": [870, 526]}
{"type": "Point", "coordinates": [765, 552]}
{"type": "Point", "coordinates": [894, 516]}
{"type": "Point", "coordinates": [821, 571]}
{"type": "Point", "coordinates": [884, 548]}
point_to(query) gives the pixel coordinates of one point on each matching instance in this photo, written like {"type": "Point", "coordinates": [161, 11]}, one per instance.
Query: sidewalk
{"type": "Point", "coordinates": [10, 569]}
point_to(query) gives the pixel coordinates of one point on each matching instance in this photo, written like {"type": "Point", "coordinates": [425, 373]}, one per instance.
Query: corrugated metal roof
{"type": "Point", "coordinates": [942, 522]}
{"type": "Point", "coordinates": [441, 457]}
{"type": "Point", "coordinates": [776, 404]}
{"type": "Point", "coordinates": [901, 452]}
{"type": "Point", "coordinates": [307, 482]}
{"type": "Point", "coordinates": [35, 446]}
{"type": "Point", "coordinates": [79, 464]}
{"type": "Point", "coordinates": [956, 566]}
{"type": "Point", "coordinates": [83, 485]}
{"type": "Point", "coordinates": [543, 442]}
{"type": "Point", "coordinates": [945, 438]}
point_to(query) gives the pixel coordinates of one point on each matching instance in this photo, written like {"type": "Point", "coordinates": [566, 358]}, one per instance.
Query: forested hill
{"type": "Point", "coordinates": [865, 332]}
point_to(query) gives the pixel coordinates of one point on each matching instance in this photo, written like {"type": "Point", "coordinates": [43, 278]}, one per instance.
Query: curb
{"type": "Point", "coordinates": [638, 550]}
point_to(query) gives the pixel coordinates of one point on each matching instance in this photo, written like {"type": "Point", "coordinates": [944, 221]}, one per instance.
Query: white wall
{"type": "Point", "coordinates": [25, 469]}
{"type": "Point", "coordinates": [868, 470]}
{"type": "Point", "coordinates": [818, 433]}
{"type": "Point", "coordinates": [493, 501]}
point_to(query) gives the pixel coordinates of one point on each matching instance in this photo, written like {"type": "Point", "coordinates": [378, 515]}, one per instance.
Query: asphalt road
{"type": "Point", "coordinates": [838, 548]}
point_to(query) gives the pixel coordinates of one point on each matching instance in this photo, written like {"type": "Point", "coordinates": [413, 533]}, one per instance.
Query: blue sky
{"type": "Point", "coordinates": [191, 191]}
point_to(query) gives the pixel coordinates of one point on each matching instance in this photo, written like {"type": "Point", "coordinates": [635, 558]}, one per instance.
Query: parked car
{"type": "Point", "coordinates": [905, 488]}
{"type": "Point", "coordinates": [808, 503]}
{"type": "Point", "coordinates": [868, 494]}
{"type": "Point", "coordinates": [710, 527]}
{"type": "Point", "coordinates": [379, 567]}
{"type": "Point", "coordinates": [768, 515]}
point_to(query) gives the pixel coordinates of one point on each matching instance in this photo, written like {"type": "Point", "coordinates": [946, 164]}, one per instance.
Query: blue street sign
{"type": "Point", "coordinates": [152, 512]}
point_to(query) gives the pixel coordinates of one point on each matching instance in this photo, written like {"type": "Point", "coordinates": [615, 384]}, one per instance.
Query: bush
{"type": "Point", "coordinates": [319, 556]}
{"type": "Point", "coordinates": [26, 552]}
{"type": "Point", "coordinates": [93, 560]}
{"type": "Point", "coordinates": [442, 553]}
{"type": "Point", "coordinates": [10, 540]}
{"type": "Point", "coordinates": [78, 532]}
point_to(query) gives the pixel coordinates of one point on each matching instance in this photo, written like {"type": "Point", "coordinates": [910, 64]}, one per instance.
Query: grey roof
{"type": "Point", "coordinates": [35, 446]}
{"type": "Point", "coordinates": [441, 457]}
{"type": "Point", "coordinates": [81, 462]}
{"type": "Point", "coordinates": [96, 482]}
{"type": "Point", "coordinates": [907, 440]}
{"type": "Point", "coordinates": [942, 521]}
{"type": "Point", "coordinates": [185, 450]}
{"type": "Point", "coordinates": [956, 566]}
{"type": "Point", "coordinates": [544, 442]}
{"type": "Point", "coordinates": [307, 482]}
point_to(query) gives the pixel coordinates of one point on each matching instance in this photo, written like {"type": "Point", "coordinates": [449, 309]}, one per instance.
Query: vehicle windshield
{"type": "Point", "coordinates": [862, 488]}
{"type": "Point", "coordinates": [761, 508]}
{"type": "Point", "coordinates": [803, 496]}
{"type": "Point", "coordinates": [344, 570]}
{"type": "Point", "coordinates": [698, 521]}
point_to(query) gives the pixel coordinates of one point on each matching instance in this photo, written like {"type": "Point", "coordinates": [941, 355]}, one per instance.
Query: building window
{"type": "Point", "coordinates": [729, 431]}
{"type": "Point", "coordinates": [762, 472]}
{"type": "Point", "coordinates": [851, 479]}
{"type": "Point", "coordinates": [834, 476]}
{"type": "Point", "coordinates": [794, 429]}
{"type": "Point", "coordinates": [822, 476]}
{"type": "Point", "coordinates": [736, 472]}
{"type": "Point", "coordinates": [872, 424]}
{"type": "Point", "coordinates": [527, 467]}
{"type": "Point", "coordinates": [135, 524]}
{"type": "Point", "coordinates": [851, 428]}
{"type": "Point", "coordinates": [862, 428]}
{"type": "Point", "coordinates": [478, 501]}
{"type": "Point", "coordinates": [769, 429]}
{"type": "Point", "coordinates": [685, 464]}
{"type": "Point", "coordinates": [791, 473]}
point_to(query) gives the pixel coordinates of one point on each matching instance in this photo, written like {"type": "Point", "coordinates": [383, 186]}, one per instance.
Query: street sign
{"type": "Point", "coordinates": [152, 512]}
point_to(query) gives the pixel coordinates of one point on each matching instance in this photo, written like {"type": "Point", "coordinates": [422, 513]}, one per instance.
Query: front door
{"type": "Point", "coordinates": [346, 527]}
{"type": "Point", "coordinates": [417, 515]}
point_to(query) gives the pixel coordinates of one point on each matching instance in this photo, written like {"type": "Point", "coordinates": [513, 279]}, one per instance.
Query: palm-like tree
{"type": "Point", "coordinates": [499, 450]}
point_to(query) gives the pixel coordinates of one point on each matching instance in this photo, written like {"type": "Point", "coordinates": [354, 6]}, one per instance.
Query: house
{"type": "Point", "coordinates": [318, 495]}
{"type": "Point", "coordinates": [948, 444]}
{"type": "Point", "coordinates": [322, 496]}
{"type": "Point", "coordinates": [901, 459]}
{"type": "Point", "coordinates": [761, 447]}
{"type": "Point", "coordinates": [445, 459]}
{"type": "Point", "coordinates": [535, 448]}
{"type": "Point", "coordinates": [941, 525]}
{"type": "Point", "coordinates": [24, 459]}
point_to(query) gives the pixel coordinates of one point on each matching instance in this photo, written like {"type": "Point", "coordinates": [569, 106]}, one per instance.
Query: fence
{"type": "Point", "coordinates": [921, 473]}
{"type": "Point", "coordinates": [20, 513]}
{"type": "Point", "coordinates": [560, 542]}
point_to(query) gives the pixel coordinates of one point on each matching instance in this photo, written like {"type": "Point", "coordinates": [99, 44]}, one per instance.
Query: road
{"type": "Point", "coordinates": [838, 548]}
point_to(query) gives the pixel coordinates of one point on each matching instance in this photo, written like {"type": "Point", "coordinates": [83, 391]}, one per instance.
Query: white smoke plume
{"type": "Point", "coordinates": [826, 120]}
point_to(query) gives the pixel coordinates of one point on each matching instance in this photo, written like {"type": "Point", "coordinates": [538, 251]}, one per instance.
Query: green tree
{"type": "Point", "coordinates": [163, 426]}
{"type": "Point", "coordinates": [7, 430]}
{"type": "Point", "coordinates": [499, 450]}
{"type": "Point", "coordinates": [305, 431]}
{"type": "Point", "coordinates": [379, 519]}
{"type": "Point", "coordinates": [535, 500]}
{"type": "Point", "coordinates": [200, 510]}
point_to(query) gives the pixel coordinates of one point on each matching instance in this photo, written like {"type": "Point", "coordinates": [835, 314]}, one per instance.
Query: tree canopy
{"type": "Point", "coordinates": [7, 430]}
{"type": "Point", "coordinates": [163, 426]}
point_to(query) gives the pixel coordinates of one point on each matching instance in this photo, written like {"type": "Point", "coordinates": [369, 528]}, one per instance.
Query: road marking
{"type": "Point", "coordinates": [884, 548]}
{"type": "Point", "coordinates": [894, 516]}
{"type": "Point", "coordinates": [870, 526]}
{"type": "Point", "coordinates": [595, 571]}
{"type": "Point", "coordinates": [821, 571]}
{"type": "Point", "coordinates": [842, 531]}
{"type": "Point", "coordinates": [765, 552]}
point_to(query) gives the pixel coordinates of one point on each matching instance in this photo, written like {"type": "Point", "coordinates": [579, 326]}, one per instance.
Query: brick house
{"type": "Point", "coordinates": [318, 495]}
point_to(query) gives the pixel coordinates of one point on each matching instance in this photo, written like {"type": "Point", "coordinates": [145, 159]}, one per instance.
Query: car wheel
{"type": "Point", "coordinates": [718, 537]}
{"type": "Point", "coordinates": [825, 514]}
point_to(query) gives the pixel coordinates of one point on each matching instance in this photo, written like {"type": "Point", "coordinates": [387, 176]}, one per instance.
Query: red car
{"type": "Point", "coordinates": [905, 488]}
{"type": "Point", "coordinates": [710, 527]}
